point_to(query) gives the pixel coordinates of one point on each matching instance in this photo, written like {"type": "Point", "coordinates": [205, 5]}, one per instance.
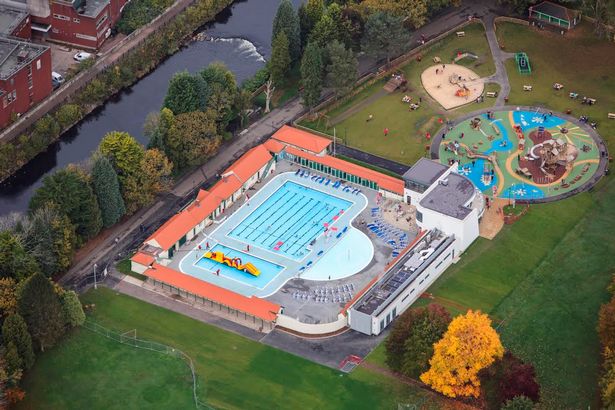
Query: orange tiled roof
{"type": "Point", "coordinates": [273, 145]}
{"type": "Point", "coordinates": [387, 182]}
{"type": "Point", "coordinates": [207, 201]}
{"type": "Point", "coordinates": [261, 308]}
{"type": "Point", "coordinates": [143, 258]}
{"type": "Point", "coordinates": [302, 139]}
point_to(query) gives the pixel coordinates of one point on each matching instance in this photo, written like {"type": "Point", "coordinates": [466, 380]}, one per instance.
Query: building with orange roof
{"type": "Point", "coordinates": [303, 140]}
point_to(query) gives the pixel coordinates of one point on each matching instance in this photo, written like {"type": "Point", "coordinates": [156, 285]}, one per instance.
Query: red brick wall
{"type": "Point", "coordinates": [26, 97]}
{"type": "Point", "coordinates": [72, 27]}
{"type": "Point", "coordinates": [24, 30]}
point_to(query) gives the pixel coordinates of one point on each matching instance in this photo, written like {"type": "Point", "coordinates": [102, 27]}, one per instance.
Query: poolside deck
{"type": "Point", "coordinates": [296, 294]}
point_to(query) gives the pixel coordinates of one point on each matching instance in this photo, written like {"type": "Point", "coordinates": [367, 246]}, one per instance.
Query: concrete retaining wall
{"type": "Point", "coordinates": [310, 328]}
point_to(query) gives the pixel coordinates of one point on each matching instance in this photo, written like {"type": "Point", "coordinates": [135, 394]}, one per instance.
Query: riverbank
{"type": "Point", "coordinates": [132, 59]}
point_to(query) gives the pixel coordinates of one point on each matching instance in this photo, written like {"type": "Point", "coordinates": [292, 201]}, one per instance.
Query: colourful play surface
{"type": "Point", "coordinates": [521, 154]}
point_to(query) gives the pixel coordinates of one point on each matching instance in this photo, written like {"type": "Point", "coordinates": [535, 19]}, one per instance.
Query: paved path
{"type": "Point", "coordinates": [499, 57]}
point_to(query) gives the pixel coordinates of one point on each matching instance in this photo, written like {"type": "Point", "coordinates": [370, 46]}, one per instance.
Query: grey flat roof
{"type": "Point", "coordinates": [402, 274]}
{"type": "Point", "coordinates": [450, 199]}
{"type": "Point", "coordinates": [10, 18]}
{"type": "Point", "coordinates": [92, 8]}
{"type": "Point", "coordinates": [15, 54]}
{"type": "Point", "coordinates": [425, 172]}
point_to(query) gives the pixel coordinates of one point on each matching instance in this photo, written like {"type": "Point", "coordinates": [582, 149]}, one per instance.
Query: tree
{"type": "Point", "coordinates": [15, 330]}
{"type": "Point", "coordinates": [8, 296]}
{"type": "Point", "coordinates": [269, 89]}
{"type": "Point", "coordinates": [286, 21]}
{"type": "Point", "coordinates": [414, 11]}
{"type": "Point", "coordinates": [342, 70]}
{"type": "Point", "coordinates": [607, 381]}
{"type": "Point", "coordinates": [192, 138]}
{"type": "Point", "coordinates": [41, 309]}
{"type": "Point", "coordinates": [309, 14]}
{"type": "Point", "coordinates": [312, 74]}
{"type": "Point", "coordinates": [50, 238]}
{"type": "Point", "coordinates": [469, 345]}
{"type": "Point", "coordinates": [606, 324]}
{"type": "Point", "coordinates": [409, 346]}
{"type": "Point", "coordinates": [15, 262]}
{"type": "Point", "coordinates": [70, 190]}
{"type": "Point", "coordinates": [107, 189]}
{"type": "Point", "coordinates": [221, 94]}
{"type": "Point", "coordinates": [72, 309]}
{"type": "Point", "coordinates": [156, 172]}
{"type": "Point", "coordinates": [509, 377]}
{"type": "Point", "coordinates": [186, 93]}
{"type": "Point", "coordinates": [156, 128]}
{"type": "Point", "coordinates": [385, 36]}
{"type": "Point", "coordinates": [518, 403]}
{"type": "Point", "coordinates": [279, 64]}
{"type": "Point", "coordinates": [243, 102]}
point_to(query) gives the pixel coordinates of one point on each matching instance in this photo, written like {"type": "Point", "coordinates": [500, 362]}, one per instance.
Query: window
{"type": "Point", "coordinates": [38, 64]}
{"type": "Point", "coordinates": [101, 21]}
{"type": "Point", "coordinates": [405, 297]}
{"type": "Point", "coordinates": [421, 282]}
{"type": "Point", "coordinates": [61, 17]}
{"type": "Point", "coordinates": [76, 20]}
{"type": "Point", "coordinates": [394, 312]}
{"type": "Point", "coordinates": [419, 216]}
{"type": "Point", "coordinates": [382, 324]}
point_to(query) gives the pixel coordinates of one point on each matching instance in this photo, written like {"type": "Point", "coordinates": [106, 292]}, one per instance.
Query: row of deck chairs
{"type": "Point", "coordinates": [326, 290]}
{"type": "Point", "coordinates": [330, 298]}
{"type": "Point", "coordinates": [320, 180]}
{"type": "Point", "coordinates": [392, 236]}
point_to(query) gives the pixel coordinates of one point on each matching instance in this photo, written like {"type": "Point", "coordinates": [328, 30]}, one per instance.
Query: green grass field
{"type": "Point", "coordinates": [406, 140]}
{"type": "Point", "coordinates": [89, 371]}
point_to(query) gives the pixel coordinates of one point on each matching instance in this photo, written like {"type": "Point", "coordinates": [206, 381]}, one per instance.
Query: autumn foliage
{"type": "Point", "coordinates": [469, 345]}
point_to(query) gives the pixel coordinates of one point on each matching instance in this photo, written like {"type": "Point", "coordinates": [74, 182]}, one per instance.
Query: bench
{"type": "Point", "coordinates": [527, 88]}
{"type": "Point", "coordinates": [612, 116]}
{"type": "Point", "coordinates": [461, 34]}
{"type": "Point", "coordinates": [492, 94]}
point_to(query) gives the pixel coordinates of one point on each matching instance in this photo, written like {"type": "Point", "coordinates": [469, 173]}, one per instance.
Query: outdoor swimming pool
{"type": "Point", "coordinates": [290, 219]}
{"type": "Point", "coordinates": [268, 269]}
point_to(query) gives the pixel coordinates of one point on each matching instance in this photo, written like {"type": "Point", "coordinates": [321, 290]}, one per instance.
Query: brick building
{"type": "Point", "coordinates": [84, 23]}
{"type": "Point", "coordinates": [25, 76]}
{"type": "Point", "coordinates": [15, 22]}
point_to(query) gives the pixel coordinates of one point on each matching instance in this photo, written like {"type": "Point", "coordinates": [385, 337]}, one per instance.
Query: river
{"type": "Point", "coordinates": [241, 40]}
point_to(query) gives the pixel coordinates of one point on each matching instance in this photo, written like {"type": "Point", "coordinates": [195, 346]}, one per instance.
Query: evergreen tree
{"type": "Point", "coordinates": [15, 330]}
{"type": "Point", "coordinates": [309, 14]}
{"type": "Point", "coordinates": [107, 190]}
{"type": "Point", "coordinates": [342, 71]}
{"type": "Point", "coordinates": [15, 262]}
{"type": "Point", "coordinates": [186, 93]}
{"type": "Point", "coordinates": [385, 36]}
{"type": "Point", "coordinates": [279, 64]}
{"type": "Point", "coordinates": [72, 309]}
{"type": "Point", "coordinates": [70, 190]}
{"type": "Point", "coordinates": [286, 21]}
{"type": "Point", "coordinates": [312, 74]}
{"type": "Point", "coordinates": [42, 311]}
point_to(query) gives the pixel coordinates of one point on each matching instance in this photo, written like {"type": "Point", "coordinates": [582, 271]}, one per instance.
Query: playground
{"type": "Point", "coordinates": [408, 111]}
{"type": "Point", "coordinates": [452, 85]}
{"type": "Point", "coordinates": [529, 155]}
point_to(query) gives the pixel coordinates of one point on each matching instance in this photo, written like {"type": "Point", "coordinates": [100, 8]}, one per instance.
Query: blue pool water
{"type": "Point", "coordinates": [268, 269]}
{"type": "Point", "coordinates": [289, 220]}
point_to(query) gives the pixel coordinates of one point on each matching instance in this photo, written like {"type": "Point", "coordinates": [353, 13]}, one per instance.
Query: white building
{"type": "Point", "coordinates": [444, 200]}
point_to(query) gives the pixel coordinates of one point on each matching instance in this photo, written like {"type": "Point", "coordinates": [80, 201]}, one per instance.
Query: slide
{"type": "Point", "coordinates": [251, 269]}
{"type": "Point", "coordinates": [233, 263]}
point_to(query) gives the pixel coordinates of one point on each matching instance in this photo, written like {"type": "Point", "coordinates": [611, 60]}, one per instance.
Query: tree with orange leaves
{"type": "Point", "coordinates": [469, 345]}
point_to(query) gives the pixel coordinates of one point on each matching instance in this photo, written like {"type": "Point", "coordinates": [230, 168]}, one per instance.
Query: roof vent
{"type": "Point", "coordinates": [444, 182]}
{"type": "Point", "coordinates": [22, 55]}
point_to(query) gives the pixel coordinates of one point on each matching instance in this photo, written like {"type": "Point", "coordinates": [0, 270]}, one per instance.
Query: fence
{"type": "Point", "coordinates": [133, 341]}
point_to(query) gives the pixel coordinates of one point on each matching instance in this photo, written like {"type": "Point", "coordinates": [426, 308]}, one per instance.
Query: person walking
{"type": "Point", "coordinates": [386, 132]}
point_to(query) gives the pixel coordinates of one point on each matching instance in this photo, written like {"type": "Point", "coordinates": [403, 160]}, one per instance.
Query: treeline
{"type": "Point", "coordinates": [606, 333]}
{"type": "Point", "coordinates": [322, 38]}
{"type": "Point", "coordinates": [138, 13]}
{"type": "Point", "coordinates": [140, 61]}
{"type": "Point", "coordinates": [461, 357]}
{"type": "Point", "coordinates": [75, 203]}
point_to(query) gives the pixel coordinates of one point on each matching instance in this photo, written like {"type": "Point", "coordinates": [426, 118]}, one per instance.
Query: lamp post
{"type": "Point", "coordinates": [95, 284]}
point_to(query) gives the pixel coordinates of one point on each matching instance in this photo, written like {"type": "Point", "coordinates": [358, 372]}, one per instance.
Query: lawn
{"type": "Point", "coordinates": [233, 372]}
{"type": "Point", "coordinates": [406, 140]}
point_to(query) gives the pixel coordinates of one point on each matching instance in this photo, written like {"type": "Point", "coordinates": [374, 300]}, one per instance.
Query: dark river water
{"type": "Point", "coordinates": [241, 39]}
